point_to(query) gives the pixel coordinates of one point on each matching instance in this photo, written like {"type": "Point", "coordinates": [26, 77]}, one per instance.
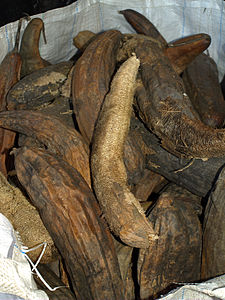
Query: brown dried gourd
{"type": "Point", "coordinates": [121, 209]}
{"type": "Point", "coordinates": [142, 25]}
{"type": "Point", "coordinates": [176, 255]}
{"type": "Point", "coordinates": [169, 112]}
{"type": "Point", "coordinates": [202, 85]}
{"type": "Point", "coordinates": [213, 231]}
{"type": "Point", "coordinates": [60, 139]}
{"type": "Point", "coordinates": [39, 88]}
{"type": "Point", "coordinates": [9, 74]}
{"type": "Point", "coordinates": [29, 48]}
{"type": "Point", "coordinates": [197, 176]}
{"type": "Point", "coordinates": [72, 216]}
{"type": "Point", "coordinates": [91, 78]}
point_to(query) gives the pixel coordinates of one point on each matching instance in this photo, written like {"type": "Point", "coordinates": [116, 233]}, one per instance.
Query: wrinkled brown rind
{"type": "Point", "coordinates": [121, 209]}
{"type": "Point", "coordinates": [10, 69]}
{"type": "Point", "coordinates": [142, 25]}
{"type": "Point", "coordinates": [203, 88]}
{"type": "Point", "coordinates": [29, 48]}
{"type": "Point", "coordinates": [213, 256]}
{"type": "Point", "coordinates": [72, 216]}
{"type": "Point", "coordinates": [38, 88]}
{"type": "Point", "coordinates": [169, 112]}
{"type": "Point", "coordinates": [91, 79]}
{"type": "Point", "coordinates": [183, 51]}
{"type": "Point", "coordinates": [176, 256]}
{"type": "Point", "coordinates": [59, 139]}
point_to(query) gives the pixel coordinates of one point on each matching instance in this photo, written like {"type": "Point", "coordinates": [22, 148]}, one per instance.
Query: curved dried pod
{"type": "Point", "coordinates": [142, 25]}
{"type": "Point", "coordinates": [83, 39]}
{"type": "Point", "coordinates": [60, 139]}
{"type": "Point", "coordinates": [213, 231]}
{"type": "Point", "coordinates": [176, 255]}
{"type": "Point", "coordinates": [9, 75]}
{"type": "Point", "coordinates": [29, 47]}
{"type": "Point", "coordinates": [202, 85]}
{"type": "Point", "coordinates": [168, 110]}
{"type": "Point", "coordinates": [183, 51]}
{"type": "Point", "coordinates": [91, 79]}
{"type": "Point", "coordinates": [26, 220]}
{"type": "Point", "coordinates": [40, 87]}
{"type": "Point", "coordinates": [121, 209]}
{"type": "Point", "coordinates": [72, 216]}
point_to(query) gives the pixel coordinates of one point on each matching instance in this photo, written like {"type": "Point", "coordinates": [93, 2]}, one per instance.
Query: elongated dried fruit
{"type": "Point", "coordinates": [213, 231]}
{"type": "Point", "coordinates": [176, 255]}
{"type": "Point", "coordinates": [202, 86]}
{"type": "Point", "coordinates": [184, 50]}
{"type": "Point", "coordinates": [29, 49]}
{"type": "Point", "coordinates": [39, 87]}
{"type": "Point", "coordinates": [51, 132]}
{"type": "Point", "coordinates": [169, 112]}
{"type": "Point", "coordinates": [71, 214]}
{"type": "Point", "coordinates": [9, 74]}
{"type": "Point", "coordinates": [122, 210]}
{"type": "Point", "coordinates": [142, 25]}
{"type": "Point", "coordinates": [91, 79]}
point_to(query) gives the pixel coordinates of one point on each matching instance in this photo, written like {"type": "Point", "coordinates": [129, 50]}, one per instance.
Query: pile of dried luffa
{"type": "Point", "coordinates": [119, 150]}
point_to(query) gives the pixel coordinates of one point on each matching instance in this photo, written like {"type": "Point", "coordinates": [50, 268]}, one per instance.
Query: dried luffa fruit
{"type": "Point", "coordinates": [202, 86]}
{"type": "Point", "coordinates": [91, 79]}
{"type": "Point", "coordinates": [168, 110]}
{"type": "Point", "coordinates": [9, 74]}
{"type": "Point", "coordinates": [39, 88]}
{"type": "Point", "coordinates": [29, 48]}
{"type": "Point", "coordinates": [72, 216]}
{"type": "Point", "coordinates": [51, 132]}
{"type": "Point", "coordinates": [121, 209]}
{"type": "Point", "coordinates": [176, 256]}
{"type": "Point", "coordinates": [26, 220]}
{"type": "Point", "coordinates": [213, 256]}
{"type": "Point", "coordinates": [134, 155]}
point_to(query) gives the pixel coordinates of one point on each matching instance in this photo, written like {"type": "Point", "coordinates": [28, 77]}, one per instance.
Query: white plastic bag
{"type": "Point", "coordinates": [213, 289]}
{"type": "Point", "coordinates": [173, 18]}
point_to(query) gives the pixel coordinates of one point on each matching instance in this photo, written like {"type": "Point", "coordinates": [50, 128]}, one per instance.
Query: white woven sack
{"type": "Point", "coordinates": [15, 271]}
{"type": "Point", "coordinates": [213, 289]}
